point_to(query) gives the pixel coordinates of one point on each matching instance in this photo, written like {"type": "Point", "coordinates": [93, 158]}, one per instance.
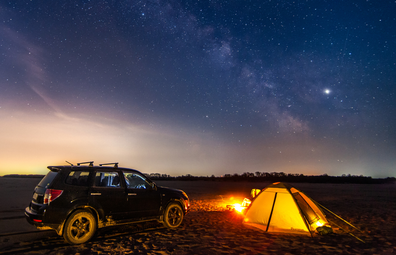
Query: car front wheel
{"type": "Point", "coordinates": [173, 216]}
{"type": "Point", "coordinates": [80, 227]}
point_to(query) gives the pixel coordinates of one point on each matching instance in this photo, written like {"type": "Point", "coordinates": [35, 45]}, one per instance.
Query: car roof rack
{"type": "Point", "coordinates": [106, 164]}
{"type": "Point", "coordinates": [69, 163]}
{"type": "Point", "coordinates": [88, 162]}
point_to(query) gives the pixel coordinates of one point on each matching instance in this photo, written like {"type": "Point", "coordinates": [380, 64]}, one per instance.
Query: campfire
{"type": "Point", "coordinates": [240, 207]}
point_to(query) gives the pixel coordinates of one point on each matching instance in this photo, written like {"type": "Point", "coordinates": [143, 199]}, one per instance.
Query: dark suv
{"type": "Point", "coordinates": [76, 200]}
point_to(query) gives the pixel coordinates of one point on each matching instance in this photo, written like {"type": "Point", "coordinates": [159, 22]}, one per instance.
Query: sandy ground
{"type": "Point", "coordinates": [209, 228]}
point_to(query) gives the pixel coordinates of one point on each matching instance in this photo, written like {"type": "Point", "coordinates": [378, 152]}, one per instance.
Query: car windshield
{"type": "Point", "coordinates": [46, 181]}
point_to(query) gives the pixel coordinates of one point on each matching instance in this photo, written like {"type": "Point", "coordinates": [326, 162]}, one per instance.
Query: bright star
{"type": "Point", "coordinates": [327, 91]}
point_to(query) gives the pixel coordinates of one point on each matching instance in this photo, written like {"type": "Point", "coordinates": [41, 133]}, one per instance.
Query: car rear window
{"type": "Point", "coordinates": [46, 181]}
{"type": "Point", "coordinates": [78, 178]}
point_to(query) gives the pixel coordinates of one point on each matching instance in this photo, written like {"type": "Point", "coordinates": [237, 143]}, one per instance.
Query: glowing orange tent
{"type": "Point", "coordinates": [282, 208]}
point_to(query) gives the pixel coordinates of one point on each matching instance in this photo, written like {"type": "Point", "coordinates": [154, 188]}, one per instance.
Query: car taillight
{"type": "Point", "coordinates": [51, 195]}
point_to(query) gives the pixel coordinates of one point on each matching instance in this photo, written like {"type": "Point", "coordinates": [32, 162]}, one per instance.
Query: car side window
{"type": "Point", "coordinates": [107, 179]}
{"type": "Point", "coordinates": [136, 181]}
{"type": "Point", "coordinates": [78, 178]}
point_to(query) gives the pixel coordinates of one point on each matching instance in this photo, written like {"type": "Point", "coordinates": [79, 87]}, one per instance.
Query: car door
{"type": "Point", "coordinates": [108, 194]}
{"type": "Point", "coordinates": [143, 200]}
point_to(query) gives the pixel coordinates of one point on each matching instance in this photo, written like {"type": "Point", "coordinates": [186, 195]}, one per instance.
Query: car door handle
{"type": "Point", "coordinates": [96, 194]}
{"type": "Point", "coordinates": [132, 194]}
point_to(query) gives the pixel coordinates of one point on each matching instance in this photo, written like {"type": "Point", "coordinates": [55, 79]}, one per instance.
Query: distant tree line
{"type": "Point", "coordinates": [23, 176]}
{"type": "Point", "coordinates": [280, 177]}
{"type": "Point", "coordinates": [258, 177]}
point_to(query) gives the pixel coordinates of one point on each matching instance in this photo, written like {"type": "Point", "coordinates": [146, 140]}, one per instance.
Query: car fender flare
{"type": "Point", "coordinates": [172, 201]}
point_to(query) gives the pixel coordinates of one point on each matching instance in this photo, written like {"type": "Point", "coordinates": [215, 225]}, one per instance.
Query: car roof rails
{"type": "Point", "coordinates": [88, 162]}
{"type": "Point", "coordinates": [106, 164]}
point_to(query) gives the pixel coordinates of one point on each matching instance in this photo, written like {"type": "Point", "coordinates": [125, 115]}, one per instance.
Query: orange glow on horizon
{"type": "Point", "coordinates": [32, 141]}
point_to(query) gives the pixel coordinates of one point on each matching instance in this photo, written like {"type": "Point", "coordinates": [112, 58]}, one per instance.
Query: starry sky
{"type": "Point", "coordinates": [199, 87]}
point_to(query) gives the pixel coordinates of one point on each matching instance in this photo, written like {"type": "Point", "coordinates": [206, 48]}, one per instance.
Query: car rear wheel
{"type": "Point", "coordinates": [80, 227]}
{"type": "Point", "coordinates": [173, 216]}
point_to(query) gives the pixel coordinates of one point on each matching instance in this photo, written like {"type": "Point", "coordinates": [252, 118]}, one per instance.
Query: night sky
{"type": "Point", "coordinates": [199, 87]}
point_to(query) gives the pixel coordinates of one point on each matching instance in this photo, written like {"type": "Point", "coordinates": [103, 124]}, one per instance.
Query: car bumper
{"type": "Point", "coordinates": [33, 218]}
{"type": "Point", "coordinates": [37, 219]}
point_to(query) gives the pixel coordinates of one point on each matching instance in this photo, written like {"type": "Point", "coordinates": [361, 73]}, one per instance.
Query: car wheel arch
{"type": "Point", "coordinates": [89, 209]}
{"type": "Point", "coordinates": [173, 201]}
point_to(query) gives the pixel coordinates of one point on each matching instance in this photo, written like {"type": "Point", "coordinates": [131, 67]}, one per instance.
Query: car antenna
{"type": "Point", "coordinates": [105, 164]}
{"type": "Point", "coordinates": [69, 163]}
{"type": "Point", "coordinates": [88, 162]}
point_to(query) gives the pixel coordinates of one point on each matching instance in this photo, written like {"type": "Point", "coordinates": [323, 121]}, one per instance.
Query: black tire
{"type": "Point", "coordinates": [173, 216]}
{"type": "Point", "coordinates": [80, 227]}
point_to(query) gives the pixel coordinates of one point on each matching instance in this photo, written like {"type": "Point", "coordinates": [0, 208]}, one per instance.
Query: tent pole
{"type": "Point", "coordinates": [272, 210]}
{"type": "Point", "coordinates": [307, 225]}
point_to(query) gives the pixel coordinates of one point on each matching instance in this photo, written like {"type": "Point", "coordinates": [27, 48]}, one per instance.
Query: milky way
{"type": "Point", "coordinates": [200, 87]}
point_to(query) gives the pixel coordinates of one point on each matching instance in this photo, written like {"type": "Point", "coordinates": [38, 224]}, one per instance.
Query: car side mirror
{"type": "Point", "coordinates": [153, 186]}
